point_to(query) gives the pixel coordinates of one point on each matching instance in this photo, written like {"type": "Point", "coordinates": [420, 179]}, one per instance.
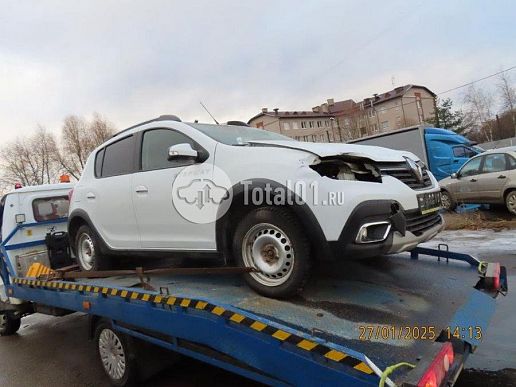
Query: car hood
{"type": "Point", "coordinates": [445, 182]}
{"type": "Point", "coordinates": [374, 153]}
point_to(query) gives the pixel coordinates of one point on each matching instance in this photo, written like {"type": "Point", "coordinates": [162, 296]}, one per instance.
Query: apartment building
{"type": "Point", "coordinates": [312, 125]}
{"type": "Point", "coordinates": [398, 108]}
{"type": "Point", "coordinates": [340, 121]}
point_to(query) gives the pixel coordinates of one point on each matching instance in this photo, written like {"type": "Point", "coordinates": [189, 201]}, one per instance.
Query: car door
{"type": "Point", "coordinates": [465, 190]}
{"type": "Point", "coordinates": [161, 226]}
{"type": "Point", "coordinates": [493, 178]}
{"type": "Point", "coordinates": [108, 199]}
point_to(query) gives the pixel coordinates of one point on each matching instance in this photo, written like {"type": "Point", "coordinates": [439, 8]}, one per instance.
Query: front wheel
{"type": "Point", "coordinates": [271, 240]}
{"type": "Point", "coordinates": [510, 202]}
{"type": "Point", "coordinates": [9, 324]}
{"type": "Point", "coordinates": [116, 355]}
{"type": "Point", "coordinates": [447, 201]}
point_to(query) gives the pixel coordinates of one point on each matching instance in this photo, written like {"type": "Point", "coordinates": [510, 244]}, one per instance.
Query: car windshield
{"type": "Point", "coordinates": [237, 135]}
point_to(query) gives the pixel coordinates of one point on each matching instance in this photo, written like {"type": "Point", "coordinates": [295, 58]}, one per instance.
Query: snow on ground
{"type": "Point", "coordinates": [477, 242]}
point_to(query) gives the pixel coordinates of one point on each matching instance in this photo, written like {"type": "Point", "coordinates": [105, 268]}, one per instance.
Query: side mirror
{"type": "Point", "coordinates": [182, 151]}
{"type": "Point", "coordinates": [454, 175]}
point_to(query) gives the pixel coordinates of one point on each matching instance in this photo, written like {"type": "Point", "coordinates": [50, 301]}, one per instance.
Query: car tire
{"type": "Point", "coordinates": [447, 201]}
{"type": "Point", "coordinates": [510, 202]}
{"type": "Point", "coordinates": [116, 355]}
{"type": "Point", "coordinates": [9, 324]}
{"type": "Point", "coordinates": [87, 250]}
{"type": "Point", "coordinates": [271, 240]}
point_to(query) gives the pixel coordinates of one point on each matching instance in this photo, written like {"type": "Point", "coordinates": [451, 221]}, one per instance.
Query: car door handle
{"type": "Point", "coordinates": [502, 177]}
{"type": "Point", "coordinates": [141, 189]}
{"type": "Point", "coordinates": [473, 180]}
{"type": "Point", "coordinates": [90, 195]}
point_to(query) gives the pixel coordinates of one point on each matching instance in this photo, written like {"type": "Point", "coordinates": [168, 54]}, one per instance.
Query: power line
{"type": "Point", "coordinates": [478, 80]}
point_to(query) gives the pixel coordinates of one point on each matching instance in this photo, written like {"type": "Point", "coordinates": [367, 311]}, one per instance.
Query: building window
{"type": "Point", "coordinates": [327, 123]}
{"type": "Point", "coordinates": [311, 124]}
{"type": "Point", "coordinates": [286, 125]}
{"type": "Point", "coordinates": [371, 112]}
{"type": "Point", "coordinates": [319, 124]}
{"type": "Point", "coordinates": [303, 124]}
{"type": "Point", "coordinates": [385, 125]}
{"type": "Point", "coordinates": [375, 128]}
{"type": "Point", "coordinates": [294, 125]}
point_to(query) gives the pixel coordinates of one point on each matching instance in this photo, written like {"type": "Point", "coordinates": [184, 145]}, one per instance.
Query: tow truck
{"type": "Point", "coordinates": [405, 320]}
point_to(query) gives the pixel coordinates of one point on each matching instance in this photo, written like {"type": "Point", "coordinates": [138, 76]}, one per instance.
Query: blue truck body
{"type": "Point", "coordinates": [442, 150]}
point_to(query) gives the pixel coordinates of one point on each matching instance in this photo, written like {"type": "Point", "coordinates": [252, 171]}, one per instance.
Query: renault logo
{"type": "Point", "coordinates": [415, 168]}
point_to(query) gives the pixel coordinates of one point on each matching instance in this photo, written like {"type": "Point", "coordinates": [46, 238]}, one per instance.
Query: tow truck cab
{"type": "Point", "coordinates": [44, 209]}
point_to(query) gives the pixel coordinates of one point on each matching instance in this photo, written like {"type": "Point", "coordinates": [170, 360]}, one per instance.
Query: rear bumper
{"type": "Point", "coordinates": [407, 231]}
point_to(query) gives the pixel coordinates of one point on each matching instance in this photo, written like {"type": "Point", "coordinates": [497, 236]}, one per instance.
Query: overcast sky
{"type": "Point", "coordinates": [134, 60]}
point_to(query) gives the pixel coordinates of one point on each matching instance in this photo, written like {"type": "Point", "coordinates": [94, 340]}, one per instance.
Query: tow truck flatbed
{"type": "Point", "coordinates": [314, 339]}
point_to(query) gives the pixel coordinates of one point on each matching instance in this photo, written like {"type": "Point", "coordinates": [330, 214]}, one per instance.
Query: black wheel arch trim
{"type": "Point", "coordinates": [301, 210]}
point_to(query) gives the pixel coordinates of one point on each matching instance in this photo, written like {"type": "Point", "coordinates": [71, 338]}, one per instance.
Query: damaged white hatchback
{"type": "Point", "coordinates": [251, 196]}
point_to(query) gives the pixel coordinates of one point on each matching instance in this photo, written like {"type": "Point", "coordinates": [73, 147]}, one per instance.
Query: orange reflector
{"type": "Point", "coordinates": [64, 179]}
{"type": "Point", "coordinates": [86, 305]}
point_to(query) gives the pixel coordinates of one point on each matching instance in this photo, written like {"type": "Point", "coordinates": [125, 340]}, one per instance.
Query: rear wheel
{"type": "Point", "coordinates": [9, 324]}
{"type": "Point", "coordinates": [447, 201]}
{"type": "Point", "coordinates": [87, 250]}
{"type": "Point", "coordinates": [271, 241]}
{"type": "Point", "coordinates": [510, 202]}
{"type": "Point", "coordinates": [116, 355]}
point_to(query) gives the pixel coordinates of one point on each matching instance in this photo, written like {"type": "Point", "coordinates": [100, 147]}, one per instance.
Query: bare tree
{"type": "Point", "coordinates": [30, 160]}
{"type": "Point", "coordinates": [79, 138]}
{"type": "Point", "coordinates": [508, 96]}
{"type": "Point", "coordinates": [479, 111]}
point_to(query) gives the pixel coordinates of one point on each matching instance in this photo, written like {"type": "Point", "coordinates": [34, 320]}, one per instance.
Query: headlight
{"type": "Point", "coordinates": [348, 169]}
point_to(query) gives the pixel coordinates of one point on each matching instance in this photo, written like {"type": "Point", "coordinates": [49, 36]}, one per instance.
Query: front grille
{"type": "Point", "coordinates": [402, 171]}
{"type": "Point", "coordinates": [418, 224]}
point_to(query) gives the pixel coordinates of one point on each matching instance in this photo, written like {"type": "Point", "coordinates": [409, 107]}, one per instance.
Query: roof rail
{"type": "Point", "coordinates": [237, 123]}
{"type": "Point", "coordinates": [164, 117]}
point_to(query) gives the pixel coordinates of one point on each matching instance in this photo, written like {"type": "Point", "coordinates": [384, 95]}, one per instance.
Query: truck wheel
{"type": "Point", "coordinates": [447, 201]}
{"type": "Point", "coordinates": [271, 240]}
{"type": "Point", "coordinates": [88, 250]}
{"type": "Point", "coordinates": [116, 355]}
{"type": "Point", "coordinates": [9, 324]}
{"type": "Point", "coordinates": [510, 201]}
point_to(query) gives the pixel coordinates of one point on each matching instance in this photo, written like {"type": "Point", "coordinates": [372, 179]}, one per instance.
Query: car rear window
{"type": "Point", "coordinates": [51, 208]}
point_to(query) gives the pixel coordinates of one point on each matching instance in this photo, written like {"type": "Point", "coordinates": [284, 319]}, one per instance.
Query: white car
{"type": "Point", "coordinates": [260, 199]}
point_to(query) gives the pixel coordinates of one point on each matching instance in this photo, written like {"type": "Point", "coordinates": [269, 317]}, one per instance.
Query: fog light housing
{"type": "Point", "coordinates": [373, 232]}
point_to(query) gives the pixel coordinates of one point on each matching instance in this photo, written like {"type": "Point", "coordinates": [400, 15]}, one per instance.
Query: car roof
{"type": "Point", "coordinates": [43, 187]}
{"type": "Point", "coordinates": [507, 149]}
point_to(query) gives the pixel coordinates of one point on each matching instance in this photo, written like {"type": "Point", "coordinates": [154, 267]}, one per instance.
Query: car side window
{"type": "Point", "coordinates": [99, 158]}
{"type": "Point", "coordinates": [118, 157]}
{"type": "Point", "coordinates": [472, 167]}
{"type": "Point", "coordinates": [511, 162]}
{"type": "Point", "coordinates": [494, 163]}
{"type": "Point", "coordinates": [459, 151]}
{"type": "Point", "coordinates": [155, 146]}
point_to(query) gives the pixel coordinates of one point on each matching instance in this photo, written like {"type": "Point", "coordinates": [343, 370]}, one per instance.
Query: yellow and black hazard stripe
{"type": "Point", "coordinates": [232, 317]}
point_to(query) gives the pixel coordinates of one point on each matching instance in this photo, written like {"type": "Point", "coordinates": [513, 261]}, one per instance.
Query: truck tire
{"type": "Point", "coordinates": [87, 250]}
{"type": "Point", "coordinates": [271, 240]}
{"type": "Point", "coordinates": [447, 201]}
{"type": "Point", "coordinates": [116, 354]}
{"type": "Point", "coordinates": [510, 202]}
{"type": "Point", "coordinates": [9, 324]}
